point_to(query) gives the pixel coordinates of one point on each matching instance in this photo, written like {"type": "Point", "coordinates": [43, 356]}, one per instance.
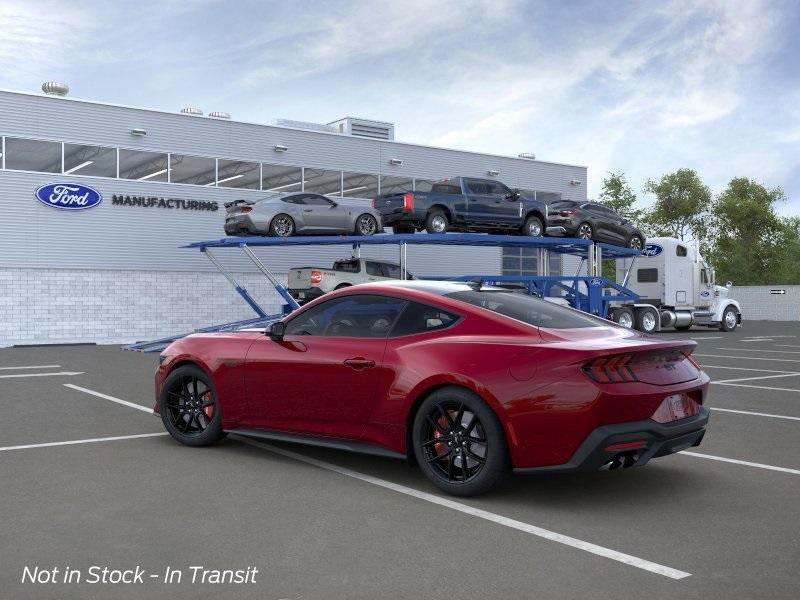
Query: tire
{"type": "Point", "coordinates": [636, 242]}
{"type": "Point", "coordinates": [282, 225]}
{"type": "Point", "coordinates": [189, 407]}
{"type": "Point", "coordinates": [585, 231]}
{"type": "Point", "coordinates": [624, 317]}
{"type": "Point", "coordinates": [403, 229]}
{"type": "Point", "coordinates": [730, 319]}
{"type": "Point", "coordinates": [646, 320]}
{"type": "Point", "coordinates": [437, 222]}
{"type": "Point", "coordinates": [366, 225]}
{"type": "Point", "coordinates": [468, 467]}
{"type": "Point", "coordinates": [533, 227]}
{"type": "Point", "coordinates": [342, 285]}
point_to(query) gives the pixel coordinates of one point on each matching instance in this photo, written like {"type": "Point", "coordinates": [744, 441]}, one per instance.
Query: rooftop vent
{"type": "Point", "coordinates": [304, 125]}
{"type": "Point", "coordinates": [191, 110]}
{"type": "Point", "coordinates": [376, 130]}
{"type": "Point", "coordinates": [527, 155]}
{"type": "Point", "coordinates": [53, 88]}
{"type": "Point", "coordinates": [219, 115]}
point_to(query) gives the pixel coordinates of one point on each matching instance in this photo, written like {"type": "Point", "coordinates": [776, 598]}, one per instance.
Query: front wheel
{"type": "Point", "coordinates": [635, 242]}
{"type": "Point", "coordinates": [585, 231]}
{"type": "Point", "coordinates": [533, 227]}
{"type": "Point", "coordinates": [190, 408]}
{"type": "Point", "coordinates": [729, 320]}
{"type": "Point", "coordinates": [459, 442]}
{"type": "Point", "coordinates": [366, 224]}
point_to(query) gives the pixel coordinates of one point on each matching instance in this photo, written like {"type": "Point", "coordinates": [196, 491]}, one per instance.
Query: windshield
{"type": "Point", "coordinates": [528, 309]}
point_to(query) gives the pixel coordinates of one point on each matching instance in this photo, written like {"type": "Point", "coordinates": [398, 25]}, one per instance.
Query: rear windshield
{"type": "Point", "coordinates": [446, 187]}
{"type": "Point", "coordinates": [350, 266]}
{"type": "Point", "coordinates": [528, 309]}
{"type": "Point", "coordinates": [563, 204]}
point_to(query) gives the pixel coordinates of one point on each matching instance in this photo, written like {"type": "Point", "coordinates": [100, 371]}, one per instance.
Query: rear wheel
{"type": "Point", "coordinates": [585, 231]}
{"type": "Point", "coordinates": [459, 442]}
{"type": "Point", "coordinates": [623, 316]}
{"type": "Point", "coordinates": [281, 226]}
{"type": "Point", "coordinates": [366, 224]}
{"type": "Point", "coordinates": [533, 227]}
{"type": "Point", "coordinates": [189, 407]}
{"type": "Point", "coordinates": [729, 319]}
{"type": "Point", "coordinates": [635, 242]}
{"type": "Point", "coordinates": [436, 222]}
{"type": "Point", "coordinates": [646, 320]}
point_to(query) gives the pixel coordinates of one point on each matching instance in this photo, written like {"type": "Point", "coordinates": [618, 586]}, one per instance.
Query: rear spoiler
{"type": "Point", "coordinates": [237, 203]}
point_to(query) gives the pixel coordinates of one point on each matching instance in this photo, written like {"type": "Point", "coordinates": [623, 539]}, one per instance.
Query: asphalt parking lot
{"type": "Point", "coordinates": [720, 522]}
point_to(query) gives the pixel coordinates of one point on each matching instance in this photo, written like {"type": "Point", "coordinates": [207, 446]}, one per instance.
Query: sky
{"type": "Point", "coordinates": [639, 87]}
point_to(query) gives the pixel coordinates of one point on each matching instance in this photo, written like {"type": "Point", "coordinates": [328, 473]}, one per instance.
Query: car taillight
{"type": "Point", "coordinates": [568, 212]}
{"type": "Point", "coordinates": [374, 200]}
{"type": "Point", "coordinates": [611, 369]}
{"type": "Point", "coordinates": [408, 202]}
{"type": "Point", "coordinates": [675, 407]}
{"type": "Point", "coordinates": [246, 209]}
{"type": "Point", "coordinates": [316, 277]}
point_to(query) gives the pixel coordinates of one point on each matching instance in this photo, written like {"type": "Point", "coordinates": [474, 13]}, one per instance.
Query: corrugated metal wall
{"type": "Point", "coordinates": [129, 237]}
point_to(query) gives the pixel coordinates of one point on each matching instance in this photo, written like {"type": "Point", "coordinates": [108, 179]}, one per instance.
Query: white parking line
{"type": "Point", "coordinates": [749, 358]}
{"type": "Point", "coordinates": [747, 378]}
{"type": "Point", "coordinates": [111, 398]}
{"type": "Point", "coordinates": [757, 340]}
{"type": "Point", "coordinates": [764, 337]}
{"type": "Point", "coordinates": [481, 514]}
{"type": "Point", "coordinates": [758, 387]}
{"type": "Point", "coordinates": [741, 462]}
{"type": "Point", "coordinates": [17, 375]}
{"type": "Point", "coordinates": [759, 350]}
{"type": "Point", "coordinates": [31, 367]}
{"type": "Point", "coordinates": [744, 369]}
{"type": "Point", "coordinates": [86, 441]}
{"type": "Point", "coordinates": [754, 414]}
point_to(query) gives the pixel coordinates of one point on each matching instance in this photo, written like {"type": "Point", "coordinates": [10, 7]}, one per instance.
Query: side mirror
{"type": "Point", "coordinates": [277, 331]}
{"type": "Point", "coordinates": [334, 204]}
{"type": "Point", "coordinates": [513, 195]}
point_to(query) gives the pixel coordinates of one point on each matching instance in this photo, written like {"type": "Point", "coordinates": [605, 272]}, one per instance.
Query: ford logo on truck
{"type": "Point", "coordinates": [68, 196]}
{"type": "Point", "coordinates": [652, 250]}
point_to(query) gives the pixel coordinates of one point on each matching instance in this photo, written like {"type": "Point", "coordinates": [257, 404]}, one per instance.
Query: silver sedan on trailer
{"type": "Point", "coordinates": [301, 213]}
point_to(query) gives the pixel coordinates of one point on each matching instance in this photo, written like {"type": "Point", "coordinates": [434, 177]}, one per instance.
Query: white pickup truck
{"type": "Point", "coordinates": [307, 283]}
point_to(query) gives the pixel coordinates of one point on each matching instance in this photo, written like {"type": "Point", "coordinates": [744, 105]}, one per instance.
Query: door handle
{"type": "Point", "coordinates": [358, 363]}
{"type": "Point", "coordinates": [307, 210]}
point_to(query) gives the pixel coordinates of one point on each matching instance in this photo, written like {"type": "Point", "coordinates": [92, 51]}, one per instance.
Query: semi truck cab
{"type": "Point", "coordinates": [677, 289]}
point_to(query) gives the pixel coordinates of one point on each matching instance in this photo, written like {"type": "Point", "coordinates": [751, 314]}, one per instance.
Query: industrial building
{"type": "Point", "coordinates": [115, 272]}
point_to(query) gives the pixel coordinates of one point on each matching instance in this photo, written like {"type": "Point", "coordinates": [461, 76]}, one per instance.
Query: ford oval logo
{"type": "Point", "coordinates": [652, 250]}
{"type": "Point", "coordinates": [68, 196]}
{"type": "Point", "coordinates": [595, 282]}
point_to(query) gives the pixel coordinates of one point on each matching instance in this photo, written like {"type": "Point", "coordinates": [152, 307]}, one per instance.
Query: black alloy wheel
{"type": "Point", "coordinates": [459, 443]}
{"type": "Point", "coordinates": [585, 231]}
{"type": "Point", "coordinates": [189, 408]}
{"type": "Point", "coordinates": [281, 226]}
{"type": "Point", "coordinates": [366, 225]}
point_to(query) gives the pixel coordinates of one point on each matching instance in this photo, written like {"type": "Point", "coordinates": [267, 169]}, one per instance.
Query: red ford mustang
{"type": "Point", "coordinates": [467, 381]}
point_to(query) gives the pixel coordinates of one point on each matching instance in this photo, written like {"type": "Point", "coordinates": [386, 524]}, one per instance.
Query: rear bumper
{"type": "Point", "coordinates": [242, 225]}
{"type": "Point", "coordinates": [660, 439]}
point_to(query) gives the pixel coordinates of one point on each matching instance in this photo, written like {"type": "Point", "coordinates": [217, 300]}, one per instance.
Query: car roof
{"type": "Point", "coordinates": [432, 286]}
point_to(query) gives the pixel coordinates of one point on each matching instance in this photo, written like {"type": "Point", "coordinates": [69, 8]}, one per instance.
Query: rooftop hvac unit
{"type": "Point", "coordinates": [191, 110]}
{"type": "Point", "coordinates": [53, 88]}
{"type": "Point", "coordinates": [219, 115]}
{"type": "Point", "coordinates": [376, 130]}
{"type": "Point", "coordinates": [527, 155]}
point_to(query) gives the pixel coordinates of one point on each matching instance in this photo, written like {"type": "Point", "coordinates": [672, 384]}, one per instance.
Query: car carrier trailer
{"type": "Point", "coordinates": [590, 293]}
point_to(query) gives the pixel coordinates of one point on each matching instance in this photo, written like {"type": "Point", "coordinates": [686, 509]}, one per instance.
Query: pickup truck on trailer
{"type": "Point", "coordinates": [307, 283]}
{"type": "Point", "coordinates": [676, 289]}
{"type": "Point", "coordinates": [464, 204]}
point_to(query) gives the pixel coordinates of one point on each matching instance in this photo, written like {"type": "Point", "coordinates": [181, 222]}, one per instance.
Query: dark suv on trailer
{"type": "Point", "coordinates": [464, 204]}
{"type": "Point", "coordinates": [593, 221]}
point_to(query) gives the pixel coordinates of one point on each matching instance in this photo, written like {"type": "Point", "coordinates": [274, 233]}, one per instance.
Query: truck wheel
{"type": "Point", "coordinates": [623, 316]}
{"type": "Point", "coordinates": [646, 320]}
{"type": "Point", "coordinates": [729, 320]}
{"type": "Point", "coordinates": [436, 222]}
{"type": "Point", "coordinates": [533, 227]}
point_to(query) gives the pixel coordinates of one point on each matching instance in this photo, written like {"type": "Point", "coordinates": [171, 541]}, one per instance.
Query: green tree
{"type": "Point", "coordinates": [750, 240]}
{"type": "Point", "coordinates": [788, 268]}
{"type": "Point", "coordinates": [618, 195]}
{"type": "Point", "coordinates": [681, 206]}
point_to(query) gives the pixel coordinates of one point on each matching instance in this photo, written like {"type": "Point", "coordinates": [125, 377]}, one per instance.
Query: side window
{"type": "Point", "coordinates": [357, 316]}
{"type": "Point", "coordinates": [298, 199]}
{"type": "Point", "coordinates": [680, 250]}
{"type": "Point", "coordinates": [647, 275]}
{"type": "Point", "coordinates": [477, 187]}
{"type": "Point", "coordinates": [375, 269]}
{"type": "Point", "coordinates": [421, 318]}
{"type": "Point", "coordinates": [703, 276]}
{"type": "Point", "coordinates": [392, 271]}
{"type": "Point", "coordinates": [498, 189]}
{"type": "Point", "coordinates": [315, 200]}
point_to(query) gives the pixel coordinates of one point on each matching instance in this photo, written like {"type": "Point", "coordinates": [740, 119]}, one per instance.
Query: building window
{"type": "Point", "coordinates": [33, 155]}
{"type": "Point", "coordinates": [143, 166]}
{"type": "Point", "coordinates": [525, 261]}
{"type": "Point", "coordinates": [278, 178]}
{"type": "Point", "coordinates": [195, 170]}
{"type": "Point", "coordinates": [396, 185]}
{"type": "Point", "coordinates": [238, 174]}
{"type": "Point", "coordinates": [359, 185]}
{"type": "Point", "coordinates": [97, 161]}
{"type": "Point", "coordinates": [321, 181]}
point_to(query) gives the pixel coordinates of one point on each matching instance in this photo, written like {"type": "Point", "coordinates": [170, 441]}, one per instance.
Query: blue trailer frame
{"type": "Point", "coordinates": [593, 299]}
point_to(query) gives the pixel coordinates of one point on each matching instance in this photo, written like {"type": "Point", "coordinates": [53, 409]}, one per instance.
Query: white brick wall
{"type": "Point", "coordinates": [72, 306]}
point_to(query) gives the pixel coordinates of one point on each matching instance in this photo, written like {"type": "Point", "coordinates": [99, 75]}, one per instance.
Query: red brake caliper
{"type": "Point", "coordinates": [440, 447]}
